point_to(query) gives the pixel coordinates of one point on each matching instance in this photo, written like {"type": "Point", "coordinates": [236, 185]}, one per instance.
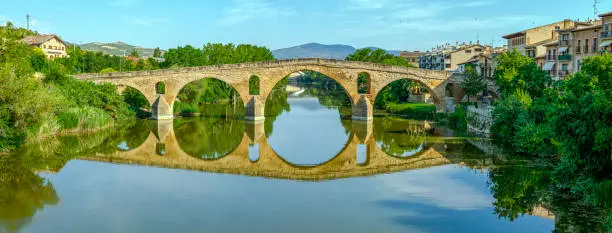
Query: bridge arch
{"type": "Point", "coordinates": [192, 88]}
{"type": "Point", "coordinates": [335, 74]}
{"type": "Point", "coordinates": [432, 93]}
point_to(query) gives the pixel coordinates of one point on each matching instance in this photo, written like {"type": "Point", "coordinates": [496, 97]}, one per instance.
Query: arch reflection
{"type": "Point", "coordinates": [208, 138]}
{"type": "Point", "coordinates": [401, 137]}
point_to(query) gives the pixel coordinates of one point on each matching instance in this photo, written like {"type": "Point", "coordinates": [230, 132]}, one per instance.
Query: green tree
{"type": "Point", "coordinates": [157, 52]}
{"type": "Point", "coordinates": [473, 82]}
{"type": "Point", "coordinates": [134, 53]}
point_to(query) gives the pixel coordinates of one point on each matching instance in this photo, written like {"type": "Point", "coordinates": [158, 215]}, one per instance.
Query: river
{"type": "Point", "coordinates": [307, 168]}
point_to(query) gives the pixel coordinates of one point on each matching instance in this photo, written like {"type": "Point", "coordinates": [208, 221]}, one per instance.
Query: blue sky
{"type": "Point", "coordinates": [391, 24]}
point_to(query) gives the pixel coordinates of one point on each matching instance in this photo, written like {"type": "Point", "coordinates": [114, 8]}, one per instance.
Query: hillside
{"type": "Point", "coordinates": [115, 48]}
{"type": "Point", "coordinates": [316, 50]}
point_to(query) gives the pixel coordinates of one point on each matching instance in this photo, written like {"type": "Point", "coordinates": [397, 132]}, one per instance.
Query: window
{"type": "Point", "coordinates": [564, 67]}
{"type": "Point", "coordinates": [578, 47]}
{"type": "Point", "coordinates": [468, 51]}
{"type": "Point", "coordinates": [586, 45]}
{"type": "Point", "coordinates": [478, 50]}
{"type": "Point", "coordinates": [448, 66]}
{"type": "Point", "coordinates": [595, 45]}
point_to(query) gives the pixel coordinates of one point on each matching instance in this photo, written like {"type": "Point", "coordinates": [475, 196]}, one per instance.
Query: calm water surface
{"type": "Point", "coordinates": [303, 170]}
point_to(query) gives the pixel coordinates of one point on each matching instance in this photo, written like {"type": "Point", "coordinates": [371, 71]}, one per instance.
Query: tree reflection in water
{"type": "Point", "coordinates": [22, 193]}
{"type": "Point", "coordinates": [400, 137]}
{"type": "Point", "coordinates": [525, 187]}
{"type": "Point", "coordinates": [208, 138]}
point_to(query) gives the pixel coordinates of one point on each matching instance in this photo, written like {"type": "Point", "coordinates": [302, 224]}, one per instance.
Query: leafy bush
{"type": "Point", "coordinates": [85, 118]}
{"type": "Point", "coordinates": [411, 109]}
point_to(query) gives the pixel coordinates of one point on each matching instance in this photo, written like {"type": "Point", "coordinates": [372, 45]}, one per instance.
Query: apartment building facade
{"type": "Point", "coordinates": [51, 45]}
{"type": "Point", "coordinates": [531, 42]}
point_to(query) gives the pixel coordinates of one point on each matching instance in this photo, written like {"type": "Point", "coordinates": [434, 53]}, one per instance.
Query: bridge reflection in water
{"type": "Point", "coordinates": [162, 149]}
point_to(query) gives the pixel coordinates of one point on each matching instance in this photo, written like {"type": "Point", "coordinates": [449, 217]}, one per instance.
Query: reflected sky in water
{"type": "Point", "coordinates": [309, 134]}
{"type": "Point", "coordinates": [98, 197]}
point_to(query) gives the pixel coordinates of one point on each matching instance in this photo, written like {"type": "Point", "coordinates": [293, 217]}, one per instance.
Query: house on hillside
{"type": "Point", "coordinates": [52, 45]}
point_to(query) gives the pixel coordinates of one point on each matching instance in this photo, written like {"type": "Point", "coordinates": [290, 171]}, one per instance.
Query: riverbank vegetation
{"type": "Point", "coordinates": [38, 99]}
{"type": "Point", "coordinates": [567, 121]}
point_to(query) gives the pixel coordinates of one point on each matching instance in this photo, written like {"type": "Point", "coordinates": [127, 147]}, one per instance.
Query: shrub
{"type": "Point", "coordinates": [411, 109]}
{"type": "Point", "coordinates": [85, 118]}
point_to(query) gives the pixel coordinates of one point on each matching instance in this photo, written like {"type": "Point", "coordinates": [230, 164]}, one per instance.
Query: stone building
{"type": "Point", "coordinates": [51, 44]}
{"type": "Point", "coordinates": [585, 39]}
{"type": "Point", "coordinates": [483, 63]}
{"type": "Point", "coordinates": [412, 57]}
{"type": "Point", "coordinates": [531, 42]}
{"type": "Point", "coordinates": [464, 54]}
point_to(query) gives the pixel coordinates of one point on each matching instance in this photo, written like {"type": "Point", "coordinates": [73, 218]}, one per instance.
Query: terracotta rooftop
{"type": "Point", "coordinates": [39, 39]}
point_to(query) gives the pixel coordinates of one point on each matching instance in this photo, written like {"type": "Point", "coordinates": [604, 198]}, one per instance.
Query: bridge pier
{"type": "Point", "coordinates": [161, 109]}
{"type": "Point", "coordinates": [254, 110]}
{"type": "Point", "coordinates": [363, 109]}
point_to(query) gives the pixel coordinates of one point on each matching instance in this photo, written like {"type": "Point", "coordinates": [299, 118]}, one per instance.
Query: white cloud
{"type": "Point", "coordinates": [122, 3]}
{"type": "Point", "coordinates": [478, 4]}
{"type": "Point", "coordinates": [245, 10]}
{"type": "Point", "coordinates": [436, 186]}
{"type": "Point", "coordinates": [148, 22]}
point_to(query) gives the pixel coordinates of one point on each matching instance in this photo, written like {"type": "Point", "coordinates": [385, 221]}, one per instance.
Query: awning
{"type": "Point", "coordinates": [548, 66]}
{"type": "Point", "coordinates": [605, 43]}
{"type": "Point", "coordinates": [562, 49]}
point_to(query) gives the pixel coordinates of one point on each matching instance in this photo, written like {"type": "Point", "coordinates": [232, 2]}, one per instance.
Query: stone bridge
{"type": "Point", "coordinates": [268, 74]}
{"type": "Point", "coordinates": [162, 149]}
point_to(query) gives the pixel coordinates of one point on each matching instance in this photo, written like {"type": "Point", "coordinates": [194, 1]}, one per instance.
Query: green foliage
{"type": "Point", "coordinates": [157, 52]}
{"type": "Point", "coordinates": [213, 54]}
{"type": "Point", "coordinates": [160, 88]}
{"type": "Point", "coordinates": [108, 70]}
{"type": "Point", "coordinates": [84, 118]}
{"type": "Point", "coordinates": [254, 85]}
{"type": "Point", "coordinates": [378, 56]}
{"type": "Point", "coordinates": [134, 53]}
{"type": "Point", "coordinates": [458, 120]}
{"type": "Point", "coordinates": [516, 72]}
{"type": "Point", "coordinates": [412, 110]}
{"type": "Point", "coordinates": [473, 82]}
{"type": "Point", "coordinates": [363, 82]}
{"type": "Point", "coordinates": [135, 99]}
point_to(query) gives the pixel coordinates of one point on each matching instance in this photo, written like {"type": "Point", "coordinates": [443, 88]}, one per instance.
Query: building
{"type": "Point", "coordinates": [483, 63]}
{"type": "Point", "coordinates": [606, 32]}
{"type": "Point", "coordinates": [464, 54]}
{"type": "Point", "coordinates": [412, 57]}
{"type": "Point", "coordinates": [531, 42]}
{"type": "Point", "coordinates": [585, 39]}
{"type": "Point", "coordinates": [436, 58]}
{"type": "Point", "coordinates": [51, 44]}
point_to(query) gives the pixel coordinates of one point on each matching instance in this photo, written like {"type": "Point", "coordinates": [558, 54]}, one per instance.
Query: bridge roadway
{"type": "Point", "coordinates": [270, 73]}
{"type": "Point", "coordinates": [269, 164]}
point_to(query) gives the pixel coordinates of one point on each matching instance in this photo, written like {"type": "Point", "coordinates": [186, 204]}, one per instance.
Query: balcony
{"type": "Point", "coordinates": [565, 57]}
{"type": "Point", "coordinates": [562, 73]}
{"type": "Point", "coordinates": [606, 34]}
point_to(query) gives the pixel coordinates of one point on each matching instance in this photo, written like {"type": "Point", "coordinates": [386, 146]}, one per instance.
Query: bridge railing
{"type": "Point", "coordinates": [269, 64]}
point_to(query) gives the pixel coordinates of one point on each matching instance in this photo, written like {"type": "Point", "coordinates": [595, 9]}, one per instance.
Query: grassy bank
{"type": "Point", "coordinates": [411, 110]}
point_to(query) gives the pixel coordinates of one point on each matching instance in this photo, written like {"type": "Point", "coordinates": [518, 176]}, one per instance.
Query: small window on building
{"type": "Point", "coordinates": [563, 66]}
{"type": "Point", "coordinates": [468, 51]}
{"type": "Point", "coordinates": [478, 50]}
{"type": "Point", "coordinates": [448, 66]}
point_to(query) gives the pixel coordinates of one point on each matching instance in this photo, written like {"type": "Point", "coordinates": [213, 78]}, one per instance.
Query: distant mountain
{"type": "Point", "coordinates": [115, 48]}
{"type": "Point", "coordinates": [316, 50]}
